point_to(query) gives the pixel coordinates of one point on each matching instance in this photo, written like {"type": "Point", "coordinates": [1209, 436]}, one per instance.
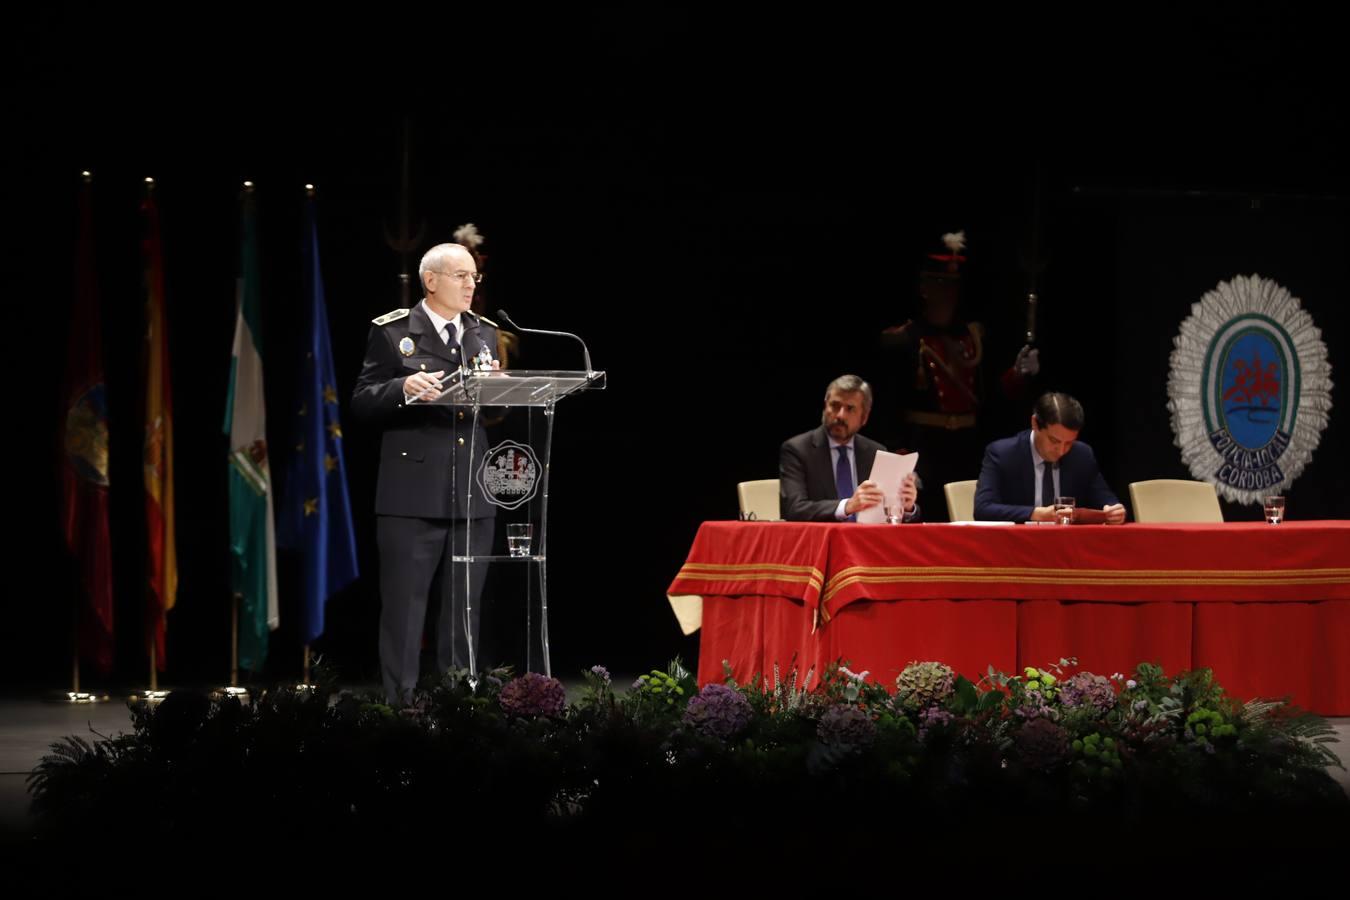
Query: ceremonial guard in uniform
{"type": "Point", "coordinates": [935, 369]}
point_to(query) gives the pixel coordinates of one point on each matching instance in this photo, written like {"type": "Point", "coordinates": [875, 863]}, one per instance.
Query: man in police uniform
{"type": "Point", "coordinates": [420, 505]}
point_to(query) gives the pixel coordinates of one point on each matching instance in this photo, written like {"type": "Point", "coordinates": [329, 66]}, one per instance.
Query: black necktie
{"type": "Point", "coordinates": [451, 344]}
{"type": "Point", "coordinates": [1048, 485]}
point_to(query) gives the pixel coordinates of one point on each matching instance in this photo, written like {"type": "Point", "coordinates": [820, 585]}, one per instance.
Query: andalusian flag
{"type": "Point", "coordinates": [157, 458]}
{"type": "Point", "coordinates": [84, 439]}
{"type": "Point", "coordinates": [252, 540]}
{"type": "Point", "coordinates": [316, 512]}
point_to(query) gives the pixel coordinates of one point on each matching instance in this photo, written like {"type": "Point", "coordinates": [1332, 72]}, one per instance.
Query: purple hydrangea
{"type": "Point", "coordinates": [1042, 744]}
{"type": "Point", "coordinates": [933, 717]}
{"type": "Point", "coordinates": [1088, 691]}
{"type": "Point", "coordinates": [846, 728]}
{"type": "Point", "coordinates": [601, 672]}
{"type": "Point", "coordinates": [718, 711]}
{"type": "Point", "coordinates": [1035, 706]}
{"type": "Point", "coordinates": [533, 694]}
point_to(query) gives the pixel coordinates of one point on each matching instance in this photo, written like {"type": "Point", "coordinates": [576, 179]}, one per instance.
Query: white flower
{"type": "Point", "coordinates": [1132, 684]}
{"type": "Point", "coordinates": [956, 242]}
{"type": "Point", "coordinates": [467, 234]}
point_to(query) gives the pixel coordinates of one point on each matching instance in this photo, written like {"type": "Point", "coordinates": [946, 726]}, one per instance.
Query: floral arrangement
{"type": "Point", "coordinates": [506, 751]}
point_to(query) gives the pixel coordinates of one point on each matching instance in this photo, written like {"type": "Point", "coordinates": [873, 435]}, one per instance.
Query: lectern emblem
{"type": "Point", "coordinates": [509, 475]}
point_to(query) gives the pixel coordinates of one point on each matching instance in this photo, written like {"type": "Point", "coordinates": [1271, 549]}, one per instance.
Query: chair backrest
{"type": "Point", "coordinates": [760, 498]}
{"type": "Point", "coordinates": [960, 500]}
{"type": "Point", "coordinates": [1173, 500]}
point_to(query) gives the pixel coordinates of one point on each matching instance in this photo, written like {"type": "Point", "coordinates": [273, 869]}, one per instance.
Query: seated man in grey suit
{"type": "Point", "coordinates": [1022, 475]}
{"type": "Point", "coordinates": [822, 474]}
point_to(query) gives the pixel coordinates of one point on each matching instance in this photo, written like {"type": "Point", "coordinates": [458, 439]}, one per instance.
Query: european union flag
{"type": "Point", "coordinates": [316, 514]}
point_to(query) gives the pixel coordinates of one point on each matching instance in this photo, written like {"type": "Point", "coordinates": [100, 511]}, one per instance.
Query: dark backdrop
{"type": "Point", "coordinates": [728, 208]}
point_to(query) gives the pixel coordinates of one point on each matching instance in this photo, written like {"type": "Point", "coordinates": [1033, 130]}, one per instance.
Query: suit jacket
{"type": "Point", "coordinates": [806, 484]}
{"type": "Point", "coordinates": [1007, 487]}
{"type": "Point", "coordinates": [420, 442]}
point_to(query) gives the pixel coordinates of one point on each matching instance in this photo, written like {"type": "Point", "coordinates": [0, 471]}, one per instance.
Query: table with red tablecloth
{"type": "Point", "coordinates": [1267, 607]}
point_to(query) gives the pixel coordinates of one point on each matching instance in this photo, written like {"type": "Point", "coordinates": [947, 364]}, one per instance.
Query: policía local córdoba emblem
{"type": "Point", "coordinates": [1249, 388]}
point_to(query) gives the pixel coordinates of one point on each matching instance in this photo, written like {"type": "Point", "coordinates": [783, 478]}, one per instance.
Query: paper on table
{"type": "Point", "coordinates": [888, 471]}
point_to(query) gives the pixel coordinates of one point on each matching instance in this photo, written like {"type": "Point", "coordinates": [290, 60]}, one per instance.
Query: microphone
{"type": "Point", "coordinates": [586, 354]}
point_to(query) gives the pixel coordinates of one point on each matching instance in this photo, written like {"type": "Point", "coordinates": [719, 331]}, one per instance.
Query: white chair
{"type": "Point", "coordinates": [760, 498]}
{"type": "Point", "coordinates": [960, 500]}
{"type": "Point", "coordinates": [1173, 500]}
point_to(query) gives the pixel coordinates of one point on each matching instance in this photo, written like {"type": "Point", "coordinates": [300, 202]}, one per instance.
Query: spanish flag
{"type": "Point", "coordinates": [162, 565]}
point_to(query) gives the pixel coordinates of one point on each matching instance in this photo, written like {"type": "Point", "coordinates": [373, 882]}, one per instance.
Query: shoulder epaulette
{"type": "Point", "coordinates": [392, 316]}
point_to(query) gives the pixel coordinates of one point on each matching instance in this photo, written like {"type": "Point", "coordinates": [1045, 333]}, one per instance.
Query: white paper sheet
{"type": "Point", "coordinates": [889, 470]}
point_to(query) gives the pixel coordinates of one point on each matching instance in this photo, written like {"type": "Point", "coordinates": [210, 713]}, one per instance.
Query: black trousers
{"type": "Point", "coordinates": [415, 565]}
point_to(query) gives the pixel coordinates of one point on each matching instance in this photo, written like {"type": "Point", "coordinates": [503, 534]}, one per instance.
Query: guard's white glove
{"type": "Point", "coordinates": [1028, 361]}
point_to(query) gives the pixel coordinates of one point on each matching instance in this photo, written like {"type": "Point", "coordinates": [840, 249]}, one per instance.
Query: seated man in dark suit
{"type": "Point", "coordinates": [822, 474]}
{"type": "Point", "coordinates": [1022, 475]}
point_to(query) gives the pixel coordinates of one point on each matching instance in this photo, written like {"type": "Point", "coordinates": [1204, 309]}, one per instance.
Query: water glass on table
{"type": "Point", "coordinates": [1064, 510]}
{"type": "Point", "coordinates": [1274, 506]}
{"type": "Point", "coordinates": [895, 511]}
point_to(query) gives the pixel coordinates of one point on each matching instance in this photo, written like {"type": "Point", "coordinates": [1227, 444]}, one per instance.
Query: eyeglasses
{"type": "Point", "coordinates": [462, 275]}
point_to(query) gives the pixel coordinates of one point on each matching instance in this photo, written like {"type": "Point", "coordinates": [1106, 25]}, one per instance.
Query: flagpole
{"type": "Point", "coordinates": [154, 674]}
{"type": "Point", "coordinates": [75, 695]}
{"type": "Point", "coordinates": [233, 689]}
{"type": "Point", "coordinates": [88, 178]}
{"type": "Point", "coordinates": [75, 655]}
{"type": "Point", "coordinates": [234, 599]}
{"type": "Point", "coordinates": [309, 192]}
{"type": "Point", "coordinates": [153, 691]}
{"type": "Point", "coordinates": [151, 695]}
{"type": "Point", "coordinates": [154, 636]}
{"type": "Point", "coordinates": [234, 640]}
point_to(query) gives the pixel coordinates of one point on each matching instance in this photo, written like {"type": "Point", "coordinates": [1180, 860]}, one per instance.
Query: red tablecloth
{"type": "Point", "coordinates": [1266, 607]}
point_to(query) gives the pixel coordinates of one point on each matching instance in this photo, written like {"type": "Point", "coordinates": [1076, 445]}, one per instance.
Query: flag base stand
{"type": "Point", "coordinates": [224, 693]}
{"type": "Point", "coordinates": [305, 686]}
{"type": "Point", "coordinates": [152, 697]}
{"type": "Point", "coordinates": [78, 698]}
